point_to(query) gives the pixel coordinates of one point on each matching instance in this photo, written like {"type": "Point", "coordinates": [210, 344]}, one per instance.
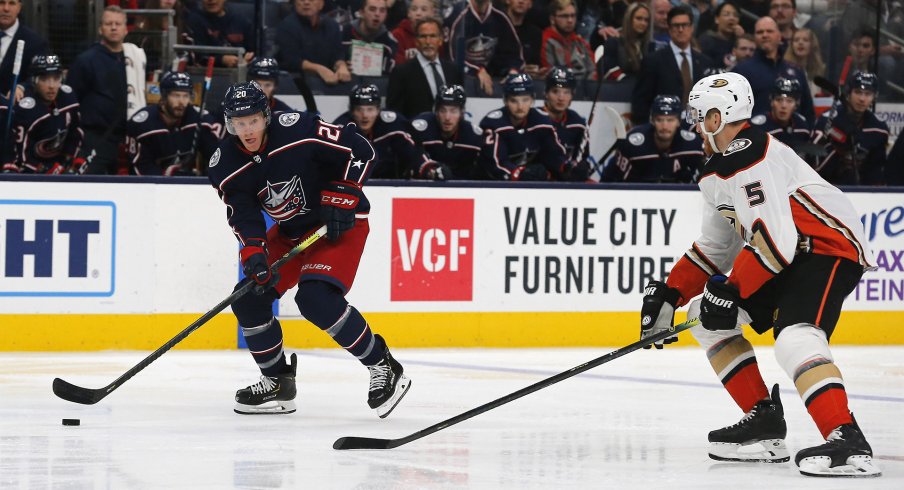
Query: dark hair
{"type": "Point", "coordinates": [428, 20]}
{"type": "Point", "coordinates": [793, 4]}
{"type": "Point", "coordinates": [555, 6]}
{"type": "Point", "coordinates": [680, 10]}
{"type": "Point", "coordinates": [746, 37]}
{"type": "Point", "coordinates": [721, 7]}
{"type": "Point", "coordinates": [865, 32]}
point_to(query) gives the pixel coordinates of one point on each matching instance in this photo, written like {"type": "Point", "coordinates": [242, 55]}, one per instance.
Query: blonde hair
{"type": "Point", "coordinates": [812, 64]}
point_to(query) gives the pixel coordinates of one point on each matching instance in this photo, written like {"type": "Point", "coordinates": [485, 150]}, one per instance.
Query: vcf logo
{"type": "Point", "coordinates": [432, 249]}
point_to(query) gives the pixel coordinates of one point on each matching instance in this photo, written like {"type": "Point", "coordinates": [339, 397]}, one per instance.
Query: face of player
{"type": "Point", "coordinates": [48, 86]}
{"type": "Point", "coordinates": [420, 9]}
{"type": "Point", "coordinates": [665, 127]}
{"type": "Point", "coordinates": [373, 14]}
{"type": "Point", "coordinates": [365, 116]}
{"type": "Point", "coordinates": [744, 50]}
{"type": "Point", "coordinates": [113, 28]}
{"type": "Point", "coordinates": [710, 123]}
{"type": "Point", "coordinates": [519, 106]}
{"type": "Point", "coordinates": [783, 107]}
{"type": "Point", "coordinates": [308, 8]}
{"type": "Point", "coordinates": [9, 11]}
{"type": "Point", "coordinates": [861, 100]}
{"type": "Point", "coordinates": [176, 103]}
{"type": "Point", "coordinates": [448, 117]}
{"type": "Point", "coordinates": [800, 44]}
{"type": "Point", "coordinates": [250, 130]}
{"type": "Point", "coordinates": [640, 22]}
{"type": "Point", "coordinates": [213, 6]}
{"type": "Point", "coordinates": [429, 40]}
{"type": "Point", "coordinates": [267, 86]}
{"type": "Point", "coordinates": [564, 20]}
{"type": "Point", "coordinates": [681, 29]}
{"type": "Point", "coordinates": [558, 99]}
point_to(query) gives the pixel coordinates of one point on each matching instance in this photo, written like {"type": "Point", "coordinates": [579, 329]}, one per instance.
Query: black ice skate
{"type": "Point", "coordinates": [758, 437]}
{"type": "Point", "coordinates": [271, 395]}
{"type": "Point", "coordinates": [388, 384]}
{"type": "Point", "coordinates": [845, 454]}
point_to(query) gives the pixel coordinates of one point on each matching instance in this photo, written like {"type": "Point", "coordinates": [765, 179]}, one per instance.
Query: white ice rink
{"type": "Point", "coordinates": [637, 422]}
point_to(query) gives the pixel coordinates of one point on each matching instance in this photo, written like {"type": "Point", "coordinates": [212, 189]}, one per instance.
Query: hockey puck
{"type": "Point", "coordinates": [72, 422]}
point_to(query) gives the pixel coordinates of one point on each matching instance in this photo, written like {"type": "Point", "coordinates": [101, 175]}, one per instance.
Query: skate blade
{"type": "Point", "coordinates": [860, 466]}
{"type": "Point", "coordinates": [268, 408]}
{"type": "Point", "coordinates": [401, 388]}
{"type": "Point", "coordinates": [765, 451]}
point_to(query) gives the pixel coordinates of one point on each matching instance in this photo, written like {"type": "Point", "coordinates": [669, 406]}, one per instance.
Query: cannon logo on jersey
{"type": "Point", "coordinates": [51, 147]}
{"type": "Point", "coordinates": [57, 248]}
{"type": "Point", "coordinates": [283, 200]}
{"type": "Point", "coordinates": [432, 249]}
{"type": "Point", "coordinates": [480, 49]}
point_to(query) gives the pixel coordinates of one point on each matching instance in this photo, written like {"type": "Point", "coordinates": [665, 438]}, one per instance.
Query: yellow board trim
{"type": "Point", "coordinates": [148, 332]}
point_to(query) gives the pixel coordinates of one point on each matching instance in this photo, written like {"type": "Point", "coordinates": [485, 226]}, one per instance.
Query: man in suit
{"type": "Point", "coordinates": [672, 69]}
{"type": "Point", "coordinates": [11, 31]}
{"type": "Point", "coordinates": [413, 85]}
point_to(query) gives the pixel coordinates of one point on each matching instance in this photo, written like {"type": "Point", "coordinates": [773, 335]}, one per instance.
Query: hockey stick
{"type": "Point", "coordinates": [87, 396]}
{"type": "Point", "coordinates": [208, 76]}
{"type": "Point", "coordinates": [619, 125]}
{"type": "Point", "coordinates": [17, 67]}
{"type": "Point", "coordinates": [369, 443]}
{"type": "Point", "coordinates": [310, 104]}
{"type": "Point", "coordinates": [597, 56]}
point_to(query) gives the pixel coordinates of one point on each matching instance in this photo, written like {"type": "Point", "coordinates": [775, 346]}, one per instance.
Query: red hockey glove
{"type": "Point", "coordinates": [435, 171]}
{"type": "Point", "coordinates": [55, 169]}
{"type": "Point", "coordinates": [531, 172]}
{"type": "Point", "coordinates": [338, 202]}
{"type": "Point", "coordinates": [10, 168]}
{"type": "Point", "coordinates": [256, 267]}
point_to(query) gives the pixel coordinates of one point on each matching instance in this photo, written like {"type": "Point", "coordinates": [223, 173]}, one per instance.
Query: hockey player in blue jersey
{"type": "Point", "coordinates": [302, 172]}
{"type": "Point", "coordinates": [45, 126]}
{"type": "Point", "coordinates": [161, 138]}
{"type": "Point", "coordinates": [853, 136]}
{"type": "Point", "coordinates": [783, 121]}
{"type": "Point", "coordinates": [387, 130]}
{"type": "Point", "coordinates": [450, 141]}
{"type": "Point", "coordinates": [265, 71]}
{"type": "Point", "coordinates": [570, 126]}
{"type": "Point", "coordinates": [519, 141]}
{"type": "Point", "coordinates": [659, 151]}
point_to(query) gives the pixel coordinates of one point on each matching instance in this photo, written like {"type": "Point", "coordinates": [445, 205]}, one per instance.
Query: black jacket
{"type": "Point", "coordinates": [98, 77]}
{"type": "Point", "coordinates": [34, 45]}
{"type": "Point", "coordinates": [409, 91]}
{"type": "Point", "coordinates": [661, 75]}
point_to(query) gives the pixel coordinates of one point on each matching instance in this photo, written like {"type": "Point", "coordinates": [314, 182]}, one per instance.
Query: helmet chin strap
{"type": "Point", "coordinates": [711, 136]}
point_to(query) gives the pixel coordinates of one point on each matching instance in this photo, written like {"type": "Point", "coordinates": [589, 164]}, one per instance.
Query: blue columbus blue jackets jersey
{"type": "Point", "coordinates": [46, 134]}
{"type": "Point", "coordinates": [637, 158]}
{"type": "Point", "coordinates": [573, 134]}
{"type": "Point", "coordinates": [856, 149]}
{"type": "Point", "coordinates": [396, 153]}
{"type": "Point", "coordinates": [459, 151]}
{"type": "Point", "coordinates": [799, 131]}
{"type": "Point", "coordinates": [488, 41]}
{"type": "Point", "coordinates": [506, 147]}
{"type": "Point", "coordinates": [154, 148]}
{"type": "Point", "coordinates": [300, 155]}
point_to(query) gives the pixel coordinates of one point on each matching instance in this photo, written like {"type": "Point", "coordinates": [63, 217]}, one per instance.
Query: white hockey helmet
{"type": "Point", "coordinates": [729, 93]}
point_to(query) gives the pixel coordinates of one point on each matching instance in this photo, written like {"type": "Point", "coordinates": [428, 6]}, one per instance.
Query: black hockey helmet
{"type": "Point", "coordinates": [863, 80]}
{"type": "Point", "coordinates": [785, 87]}
{"type": "Point", "coordinates": [666, 105]}
{"type": "Point", "coordinates": [518, 84]}
{"type": "Point", "coordinates": [45, 64]}
{"type": "Point", "coordinates": [450, 95]}
{"type": "Point", "coordinates": [262, 68]}
{"type": "Point", "coordinates": [364, 94]}
{"type": "Point", "coordinates": [175, 81]}
{"type": "Point", "coordinates": [245, 99]}
{"type": "Point", "coordinates": [560, 77]}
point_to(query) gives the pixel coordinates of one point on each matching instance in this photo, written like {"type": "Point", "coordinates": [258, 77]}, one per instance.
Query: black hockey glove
{"type": "Point", "coordinates": [531, 172]}
{"type": "Point", "coordinates": [338, 203]}
{"type": "Point", "coordinates": [435, 171]}
{"type": "Point", "coordinates": [575, 172]}
{"type": "Point", "coordinates": [255, 267]}
{"type": "Point", "coordinates": [658, 312]}
{"type": "Point", "coordinates": [719, 308]}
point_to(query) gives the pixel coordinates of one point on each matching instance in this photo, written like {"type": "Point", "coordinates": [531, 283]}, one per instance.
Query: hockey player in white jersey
{"type": "Point", "coordinates": [792, 248]}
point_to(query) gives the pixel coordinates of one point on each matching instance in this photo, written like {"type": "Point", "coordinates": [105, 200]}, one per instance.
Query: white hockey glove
{"type": "Point", "coordinates": [658, 312]}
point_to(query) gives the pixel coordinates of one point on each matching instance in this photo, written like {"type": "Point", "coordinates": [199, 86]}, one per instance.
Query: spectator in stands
{"type": "Point", "coordinates": [861, 56]}
{"type": "Point", "coordinates": [718, 43]}
{"type": "Point", "coordinates": [624, 54]}
{"type": "Point", "coordinates": [804, 52]}
{"type": "Point", "coordinates": [310, 42]}
{"type": "Point", "coordinates": [767, 64]}
{"type": "Point", "coordinates": [561, 44]}
{"type": "Point", "coordinates": [371, 28]}
{"type": "Point", "coordinates": [404, 32]}
{"type": "Point", "coordinates": [743, 50]}
{"type": "Point", "coordinates": [11, 31]}
{"type": "Point", "coordinates": [145, 32]}
{"type": "Point", "coordinates": [782, 120]}
{"type": "Point", "coordinates": [862, 14]}
{"type": "Point", "coordinates": [784, 12]}
{"type": "Point", "coordinates": [672, 69]}
{"type": "Point", "coordinates": [414, 85]}
{"type": "Point", "coordinates": [661, 10]}
{"type": "Point", "coordinates": [529, 34]}
{"type": "Point", "coordinates": [704, 15]}
{"type": "Point", "coordinates": [484, 41]}
{"type": "Point", "coordinates": [216, 26]}
{"type": "Point", "coordinates": [98, 77]}
{"type": "Point", "coordinates": [600, 20]}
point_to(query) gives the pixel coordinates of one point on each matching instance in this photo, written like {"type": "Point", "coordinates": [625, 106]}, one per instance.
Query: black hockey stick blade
{"type": "Point", "coordinates": [825, 84]}
{"type": "Point", "coordinates": [345, 443]}
{"type": "Point", "coordinates": [88, 396]}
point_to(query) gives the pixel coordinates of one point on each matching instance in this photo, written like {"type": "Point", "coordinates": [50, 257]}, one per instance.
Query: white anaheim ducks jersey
{"type": "Point", "coordinates": [762, 206]}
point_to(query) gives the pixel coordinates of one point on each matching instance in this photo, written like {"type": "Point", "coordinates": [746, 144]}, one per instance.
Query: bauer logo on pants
{"type": "Point", "coordinates": [432, 249]}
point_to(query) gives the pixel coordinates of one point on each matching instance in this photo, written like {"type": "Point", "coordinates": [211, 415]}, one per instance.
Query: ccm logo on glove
{"type": "Point", "coordinates": [339, 201]}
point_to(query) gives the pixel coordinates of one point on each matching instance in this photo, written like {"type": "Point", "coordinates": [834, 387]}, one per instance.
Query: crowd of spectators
{"type": "Point", "coordinates": [413, 49]}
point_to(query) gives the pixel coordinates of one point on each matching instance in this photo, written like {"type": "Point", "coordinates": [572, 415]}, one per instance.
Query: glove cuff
{"type": "Point", "coordinates": [252, 248]}
{"type": "Point", "coordinates": [669, 294]}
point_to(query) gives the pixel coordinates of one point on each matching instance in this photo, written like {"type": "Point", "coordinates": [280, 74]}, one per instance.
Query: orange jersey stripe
{"type": "Point", "coordinates": [826, 240]}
